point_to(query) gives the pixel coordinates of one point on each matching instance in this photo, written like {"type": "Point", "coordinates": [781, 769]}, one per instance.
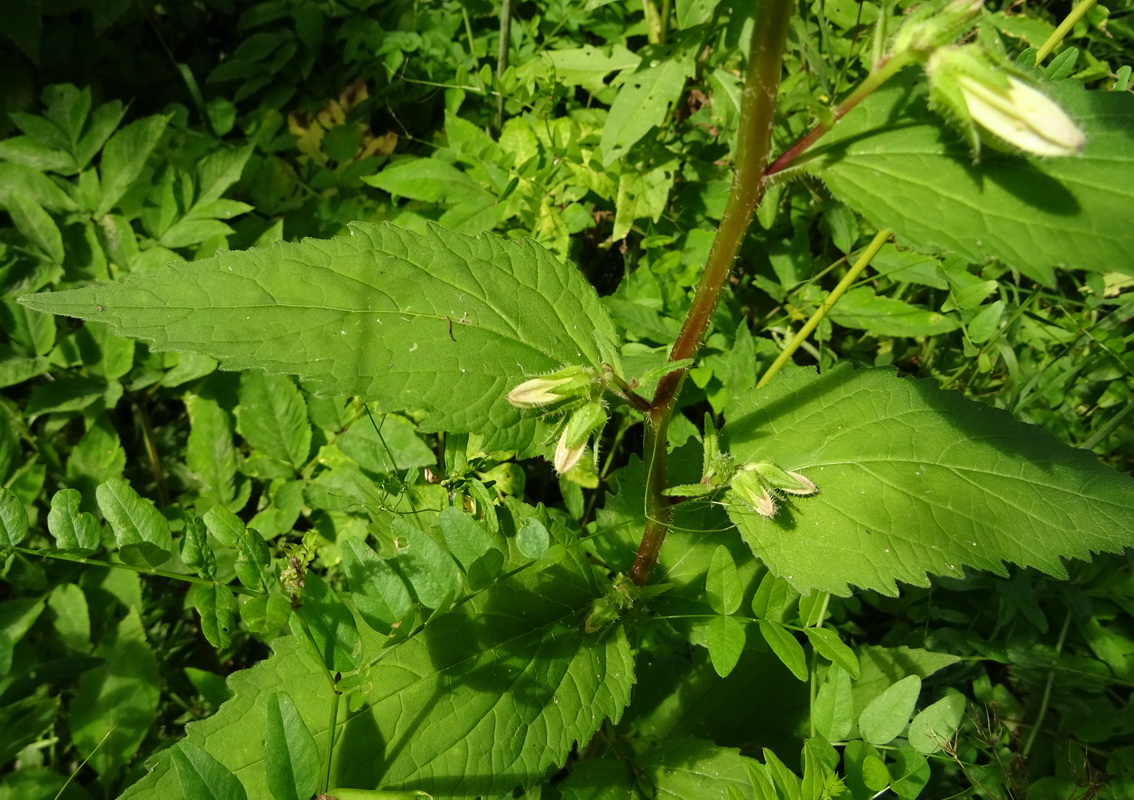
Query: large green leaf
{"type": "Point", "coordinates": [899, 165]}
{"type": "Point", "coordinates": [440, 322]}
{"type": "Point", "coordinates": [643, 102]}
{"type": "Point", "coordinates": [485, 698]}
{"type": "Point", "coordinates": [915, 480]}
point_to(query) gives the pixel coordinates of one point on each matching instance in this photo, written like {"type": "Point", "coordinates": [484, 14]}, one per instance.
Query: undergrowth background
{"type": "Point", "coordinates": [291, 118]}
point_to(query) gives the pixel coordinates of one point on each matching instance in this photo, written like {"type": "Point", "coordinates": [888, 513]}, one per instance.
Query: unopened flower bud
{"type": "Point", "coordinates": [570, 383]}
{"type": "Point", "coordinates": [1022, 116]}
{"type": "Point", "coordinates": [781, 479]}
{"type": "Point", "coordinates": [752, 491]}
{"type": "Point", "coordinates": [976, 93]}
{"type": "Point", "coordinates": [935, 25]}
{"type": "Point", "coordinates": [537, 392]}
{"type": "Point", "coordinates": [567, 456]}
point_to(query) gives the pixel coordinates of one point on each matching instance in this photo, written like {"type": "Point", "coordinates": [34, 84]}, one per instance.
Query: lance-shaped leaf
{"type": "Point", "coordinates": [441, 322]}
{"type": "Point", "coordinates": [899, 165]}
{"type": "Point", "coordinates": [914, 480]}
{"type": "Point", "coordinates": [484, 699]}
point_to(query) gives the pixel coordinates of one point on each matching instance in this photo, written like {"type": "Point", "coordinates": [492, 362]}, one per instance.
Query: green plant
{"type": "Point", "coordinates": [448, 635]}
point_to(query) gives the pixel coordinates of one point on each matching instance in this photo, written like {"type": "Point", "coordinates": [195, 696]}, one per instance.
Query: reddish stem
{"type": "Point", "coordinates": [757, 118]}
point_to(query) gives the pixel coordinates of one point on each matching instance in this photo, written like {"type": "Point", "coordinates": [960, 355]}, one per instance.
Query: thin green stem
{"type": "Point", "coordinates": [757, 118]}
{"type": "Point", "coordinates": [1060, 33]}
{"type": "Point", "coordinates": [1110, 427]}
{"type": "Point", "coordinates": [1048, 686]}
{"type": "Point", "coordinates": [828, 303]}
{"type": "Point", "coordinates": [160, 573]}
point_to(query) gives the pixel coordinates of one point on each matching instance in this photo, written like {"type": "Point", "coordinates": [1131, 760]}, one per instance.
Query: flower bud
{"type": "Point", "coordinates": [537, 392]}
{"type": "Point", "coordinates": [935, 25]}
{"type": "Point", "coordinates": [565, 384]}
{"type": "Point", "coordinates": [567, 456]}
{"type": "Point", "coordinates": [752, 491]}
{"type": "Point", "coordinates": [781, 479]}
{"type": "Point", "coordinates": [975, 93]}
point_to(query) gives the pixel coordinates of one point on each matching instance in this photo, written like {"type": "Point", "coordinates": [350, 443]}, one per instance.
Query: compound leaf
{"type": "Point", "coordinates": [438, 322]}
{"type": "Point", "coordinates": [915, 480]}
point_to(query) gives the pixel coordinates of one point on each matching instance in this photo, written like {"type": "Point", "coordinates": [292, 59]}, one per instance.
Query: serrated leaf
{"type": "Point", "coordinates": [430, 570]}
{"type": "Point", "coordinates": [13, 519]}
{"type": "Point", "coordinates": [216, 606]}
{"type": "Point", "coordinates": [685, 767]}
{"type": "Point", "coordinates": [643, 102]}
{"type": "Point", "coordinates": [202, 777]}
{"type": "Point", "coordinates": [195, 549]}
{"type": "Point", "coordinates": [71, 616]}
{"type": "Point", "coordinates": [934, 727]}
{"type": "Point", "coordinates": [210, 452]}
{"type": "Point", "coordinates": [185, 232]}
{"type": "Point", "coordinates": [828, 644]}
{"type": "Point", "coordinates": [786, 647]}
{"type": "Point", "coordinates": [426, 179]}
{"type": "Point", "coordinates": [116, 702]}
{"type": "Point", "coordinates": [330, 624]}
{"type": "Point", "coordinates": [390, 446]}
{"type": "Point", "coordinates": [225, 525]}
{"type": "Point", "coordinates": [125, 156]}
{"type": "Point", "coordinates": [892, 160]}
{"type": "Point", "coordinates": [37, 225]}
{"type": "Point", "coordinates": [514, 658]}
{"type": "Point", "coordinates": [291, 757]}
{"type": "Point", "coordinates": [440, 322]}
{"type": "Point", "coordinates": [722, 582]}
{"type": "Point", "coordinates": [915, 480]}
{"type": "Point", "coordinates": [215, 173]}
{"type": "Point", "coordinates": [532, 539]}
{"type": "Point", "coordinates": [886, 716]}
{"type": "Point", "coordinates": [588, 66]}
{"type": "Point", "coordinates": [466, 538]}
{"type": "Point", "coordinates": [378, 592]}
{"type": "Point", "coordinates": [726, 643]}
{"type": "Point", "coordinates": [273, 418]}
{"type": "Point", "coordinates": [72, 528]}
{"type": "Point", "coordinates": [140, 530]}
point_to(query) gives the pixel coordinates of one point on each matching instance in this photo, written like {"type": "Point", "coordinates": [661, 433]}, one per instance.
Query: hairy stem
{"type": "Point", "coordinates": [757, 117]}
{"type": "Point", "coordinates": [886, 69]}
